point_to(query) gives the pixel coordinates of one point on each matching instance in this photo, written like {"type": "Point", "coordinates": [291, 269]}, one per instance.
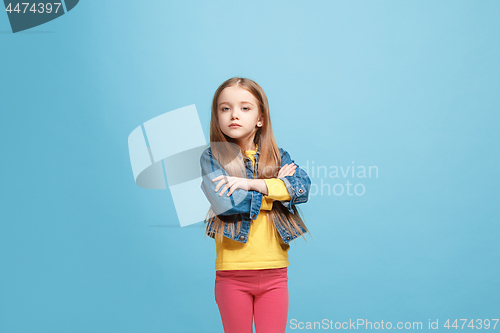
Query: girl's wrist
{"type": "Point", "coordinates": [258, 185]}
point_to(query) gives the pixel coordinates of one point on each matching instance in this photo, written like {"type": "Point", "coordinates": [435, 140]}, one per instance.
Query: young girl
{"type": "Point", "coordinates": [253, 187]}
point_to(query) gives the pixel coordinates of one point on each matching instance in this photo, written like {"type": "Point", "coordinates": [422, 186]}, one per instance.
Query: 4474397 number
{"type": "Point", "coordinates": [42, 7]}
{"type": "Point", "coordinates": [479, 324]}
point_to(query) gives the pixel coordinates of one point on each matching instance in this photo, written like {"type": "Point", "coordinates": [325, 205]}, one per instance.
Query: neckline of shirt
{"type": "Point", "coordinates": [253, 151]}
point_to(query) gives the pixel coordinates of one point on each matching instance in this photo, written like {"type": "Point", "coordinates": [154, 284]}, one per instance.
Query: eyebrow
{"type": "Point", "coordinates": [243, 102]}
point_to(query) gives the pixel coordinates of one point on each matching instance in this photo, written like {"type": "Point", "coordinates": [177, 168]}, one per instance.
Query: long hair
{"type": "Point", "coordinates": [226, 152]}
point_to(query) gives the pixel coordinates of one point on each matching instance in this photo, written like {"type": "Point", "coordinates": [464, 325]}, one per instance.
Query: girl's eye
{"type": "Point", "coordinates": [246, 109]}
{"type": "Point", "coordinates": [224, 109]}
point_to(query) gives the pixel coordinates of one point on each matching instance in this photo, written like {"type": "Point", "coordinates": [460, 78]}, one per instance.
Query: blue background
{"type": "Point", "coordinates": [408, 86]}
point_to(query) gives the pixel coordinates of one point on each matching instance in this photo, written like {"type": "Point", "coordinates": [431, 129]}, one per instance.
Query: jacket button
{"type": "Point", "coordinates": [288, 238]}
{"type": "Point", "coordinates": [242, 237]}
{"type": "Point", "coordinates": [300, 191]}
{"type": "Point", "coordinates": [253, 216]}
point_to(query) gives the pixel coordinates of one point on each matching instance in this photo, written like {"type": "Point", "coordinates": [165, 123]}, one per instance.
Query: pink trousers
{"type": "Point", "coordinates": [246, 294]}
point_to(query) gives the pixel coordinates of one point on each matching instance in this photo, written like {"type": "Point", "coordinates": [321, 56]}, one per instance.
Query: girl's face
{"type": "Point", "coordinates": [236, 105]}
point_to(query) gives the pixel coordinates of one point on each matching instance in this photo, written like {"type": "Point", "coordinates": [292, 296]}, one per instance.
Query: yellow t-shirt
{"type": "Point", "coordinates": [264, 247]}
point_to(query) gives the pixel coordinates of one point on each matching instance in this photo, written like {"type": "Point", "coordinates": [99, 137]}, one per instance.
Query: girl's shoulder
{"type": "Point", "coordinates": [282, 151]}
{"type": "Point", "coordinates": [208, 150]}
{"type": "Point", "coordinates": [206, 153]}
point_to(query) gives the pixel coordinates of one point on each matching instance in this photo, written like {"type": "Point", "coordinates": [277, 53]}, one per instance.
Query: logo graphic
{"type": "Point", "coordinates": [169, 149]}
{"type": "Point", "coordinates": [171, 144]}
{"type": "Point", "coordinates": [29, 14]}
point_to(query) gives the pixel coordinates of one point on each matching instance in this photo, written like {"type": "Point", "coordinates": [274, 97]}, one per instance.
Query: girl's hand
{"type": "Point", "coordinates": [231, 183]}
{"type": "Point", "coordinates": [287, 170]}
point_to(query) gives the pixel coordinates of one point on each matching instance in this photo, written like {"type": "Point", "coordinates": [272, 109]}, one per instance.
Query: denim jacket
{"type": "Point", "coordinates": [246, 204]}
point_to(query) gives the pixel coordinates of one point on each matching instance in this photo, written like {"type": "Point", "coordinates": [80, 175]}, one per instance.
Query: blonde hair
{"type": "Point", "coordinates": [268, 166]}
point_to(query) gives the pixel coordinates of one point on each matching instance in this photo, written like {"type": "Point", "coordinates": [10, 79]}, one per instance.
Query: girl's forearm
{"type": "Point", "coordinates": [259, 185]}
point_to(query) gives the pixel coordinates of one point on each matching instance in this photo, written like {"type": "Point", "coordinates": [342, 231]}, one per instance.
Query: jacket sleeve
{"type": "Point", "coordinates": [298, 185]}
{"type": "Point", "coordinates": [239, 202]}
{"type": "Point", "coordinates": [276, 189]}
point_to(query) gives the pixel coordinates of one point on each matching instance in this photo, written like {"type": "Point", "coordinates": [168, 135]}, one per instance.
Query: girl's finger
{"type": "Point", "coordinates": [219, 185]}
{"type": "Point", "coordinates": [230, 188]}
{"type": "Point", "coordinates": [217, 178]}
{"type": "Point", "coordinates": [289, 168]}
{"type": "Point", "coordinates": [223, 190]}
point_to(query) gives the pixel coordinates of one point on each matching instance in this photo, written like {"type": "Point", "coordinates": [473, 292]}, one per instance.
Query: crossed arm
{"type": "Point", "coordinates": [260, 185]}
{"type": "Point", "coordinates": [249, 196]}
